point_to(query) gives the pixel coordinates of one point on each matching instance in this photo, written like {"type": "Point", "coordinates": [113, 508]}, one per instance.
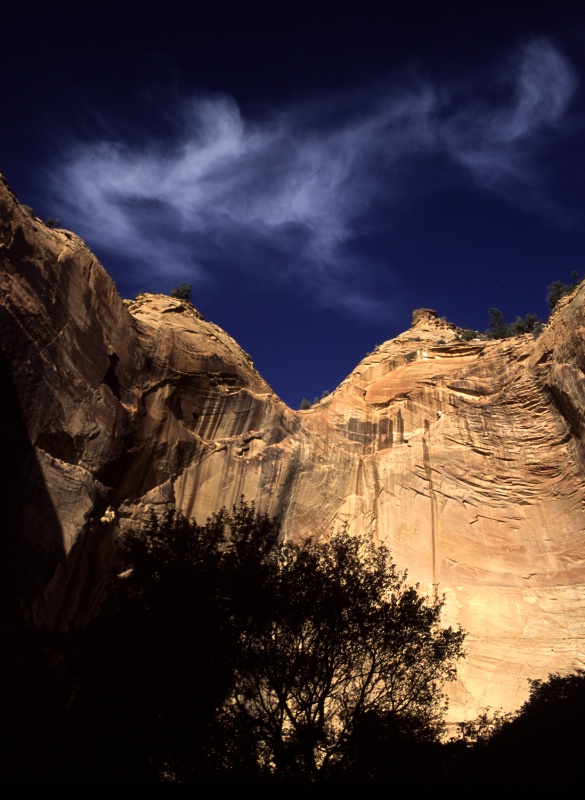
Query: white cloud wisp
{"type": "Point", "coordinates": [290, 195]}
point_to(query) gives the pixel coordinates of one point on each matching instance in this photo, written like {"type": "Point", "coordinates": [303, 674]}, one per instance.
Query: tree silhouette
{"type": "Point", "coordinates": [349, 643]}
{"type": "Point", "coordinates": [223, 654]}
{"type": "Point", "coordinates": [159, 660]}
{"type": "Point", "coordinates": [544, 743]}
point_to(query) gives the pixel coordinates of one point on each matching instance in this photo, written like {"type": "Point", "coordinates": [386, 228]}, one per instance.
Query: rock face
{"type": "Point", "coordinates": [465, 458]}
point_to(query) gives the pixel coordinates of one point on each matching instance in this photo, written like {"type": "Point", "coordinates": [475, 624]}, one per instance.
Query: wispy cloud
{"type": "Point", "coordinates": [495, 142]}
{"type": "Point", "coordinates": [290, 194]}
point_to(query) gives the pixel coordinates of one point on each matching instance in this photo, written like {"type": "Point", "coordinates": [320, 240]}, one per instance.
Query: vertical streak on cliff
{"type": "Point", "coordinates": [399, 428]}
{"type": "Point", "coordinates": [433, 499]}
{"type": "Point", "coordinates": [283, 508]}
{"type": "Point", "coordinates": [376, 494]}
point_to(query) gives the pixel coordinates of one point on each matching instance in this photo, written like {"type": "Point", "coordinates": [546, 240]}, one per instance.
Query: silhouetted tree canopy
{"type": "Point", "coordinates": [348, 641]}
{"type": "Point", "coordinates": [543, 744]}
{"type": "Point", "coordinates": [159, 660]}
{"type": "Point", "coordinates": [224, 654]}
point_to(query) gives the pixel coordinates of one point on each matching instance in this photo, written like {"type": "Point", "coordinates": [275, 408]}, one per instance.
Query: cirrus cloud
{"type": "Point", "coordinates": [289, 194]}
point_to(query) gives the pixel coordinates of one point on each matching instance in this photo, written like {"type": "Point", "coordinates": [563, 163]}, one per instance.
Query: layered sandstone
{"type": "Point", "coordinates": [466, 458]}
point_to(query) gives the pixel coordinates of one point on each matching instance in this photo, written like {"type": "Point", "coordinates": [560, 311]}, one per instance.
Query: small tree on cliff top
{"type": "Point", "coordinates": [182, 292]}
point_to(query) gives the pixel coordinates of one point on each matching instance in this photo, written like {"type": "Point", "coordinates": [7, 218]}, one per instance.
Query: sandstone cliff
{"type": "Point", "coordinates": [466, 458]}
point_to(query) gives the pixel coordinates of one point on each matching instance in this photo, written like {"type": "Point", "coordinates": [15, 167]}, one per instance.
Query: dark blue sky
{"type": "Point", "coordinates": [314, 170]}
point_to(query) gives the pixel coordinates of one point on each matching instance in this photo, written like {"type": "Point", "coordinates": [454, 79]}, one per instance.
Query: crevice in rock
{"type": "Point", "coordinates": [110, 378]}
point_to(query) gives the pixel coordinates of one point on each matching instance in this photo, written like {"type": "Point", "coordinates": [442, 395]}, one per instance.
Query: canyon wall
{"type": "Point", "coordinates": [465, 458]}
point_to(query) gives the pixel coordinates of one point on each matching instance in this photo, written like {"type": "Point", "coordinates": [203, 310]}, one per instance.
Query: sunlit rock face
{"type": "Point", "coordinates": [136, 406]}
{"type": "Point", "coordinates": [465, 458]}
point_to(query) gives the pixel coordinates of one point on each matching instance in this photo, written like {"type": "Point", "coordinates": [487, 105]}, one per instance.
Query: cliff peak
{"type": "Point", "coordinates": [162, 304]}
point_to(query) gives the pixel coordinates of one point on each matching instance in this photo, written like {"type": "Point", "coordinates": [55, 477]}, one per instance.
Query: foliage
{"type": "Point", "coordinates": [558, 289]}
{"type": "Point", "coordinates": [223, 654]}
{"type": "Point", "coordinates": [547, 733]}
{"type": "Point", "coordinates": [467, 335]}
{"type": "Point", "coordinates": [305, 404]}
{"type": "Point", "coordinates": [530, 324]}
{"type": "Point", "coordinates": [52, 222]}
{"type": "Point", "coordinates": [348, 641]}
{"type": "Point", "coordinates": [542, 744]}
{"type": "Point", "coordinates": [182, 292]}
{"type": "Point", "coordinates": [480, 730]}
{"type": "Point", "coordinates": [555, 291]}
{"type": "Point", "coordinates": [498, 329]}
{"type": "Point", "coordinates": [159, 660]}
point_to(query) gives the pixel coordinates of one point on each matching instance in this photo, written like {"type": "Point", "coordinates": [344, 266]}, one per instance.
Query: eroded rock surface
{"type": "Point", "coordinates": [466, 458]}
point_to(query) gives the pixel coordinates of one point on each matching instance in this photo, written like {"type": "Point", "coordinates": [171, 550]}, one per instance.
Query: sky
{"type": "Point", "coordinates": [315, 171]}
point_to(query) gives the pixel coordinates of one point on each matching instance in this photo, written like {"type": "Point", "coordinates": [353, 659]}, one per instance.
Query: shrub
{"type": "Point", "coordinates": [498, 329]}
{"type": "Point", "coordinates": [182, 292]}
{"type": "Point", "coordinates": [558, 289]}
{"type": "Point", "coordinates": [543, 743]}
{"type": "Point", "coordinates": [526, 325]}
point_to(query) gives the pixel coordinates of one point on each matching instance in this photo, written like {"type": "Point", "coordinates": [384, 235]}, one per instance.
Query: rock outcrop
{"type": "Point", "coordinates": [466, 458]}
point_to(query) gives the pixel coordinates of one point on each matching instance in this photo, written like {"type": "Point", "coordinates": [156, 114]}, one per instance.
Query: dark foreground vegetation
{"type": "Point", "coordinates": [223, 655]}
